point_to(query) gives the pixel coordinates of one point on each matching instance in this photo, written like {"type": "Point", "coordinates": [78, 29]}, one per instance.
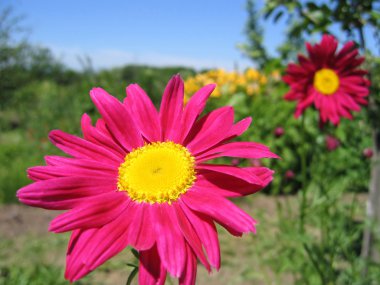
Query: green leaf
{"type": "Point", "coordinates": [278, 16]}
{"type": "Point", "coordinates": [132, 265]}
{"type": "Point", "coordinates": [135, 253]}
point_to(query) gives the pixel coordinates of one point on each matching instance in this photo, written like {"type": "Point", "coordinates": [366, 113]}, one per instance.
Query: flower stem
{"type": "Point", "coordinates": [302, 204]}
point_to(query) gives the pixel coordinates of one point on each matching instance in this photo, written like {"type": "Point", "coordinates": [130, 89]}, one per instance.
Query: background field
{"type": "Point", "coordinates": [39, 93]}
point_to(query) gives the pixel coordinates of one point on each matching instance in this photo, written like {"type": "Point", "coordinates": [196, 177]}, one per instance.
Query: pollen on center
{"type": "Point", "coordinates": [326, 81]}
{"type": "Point", "coordinates": [158, 172]}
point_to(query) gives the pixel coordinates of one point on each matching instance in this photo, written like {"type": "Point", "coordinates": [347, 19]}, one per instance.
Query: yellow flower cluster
{"type": "Point", "coordinates": [249, 82]}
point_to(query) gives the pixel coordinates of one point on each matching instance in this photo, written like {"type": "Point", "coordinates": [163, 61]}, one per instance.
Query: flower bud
{"type": "Point", "coordinates": [332, 143]}
{"type": "Point", "coordinates": [368, 152]}
{"type": "Point", "coordinates": [279, 132]}
{"type": "Point", "coordinates": [289, 175]}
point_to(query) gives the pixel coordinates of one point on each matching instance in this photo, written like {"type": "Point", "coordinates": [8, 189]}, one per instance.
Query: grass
{"type": "Point", "coordinates": [28, 253]}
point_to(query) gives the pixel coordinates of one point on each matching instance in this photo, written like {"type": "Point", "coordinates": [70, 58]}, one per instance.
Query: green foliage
{"type": "Point", "coordinates": [29, 264]}
{"type": "Point", "coordinates": [269, 110]}
{"type": "Point", "coordinates": [33, 275]}
{"type": "Point", "coordinates": [152, 79]}
{"type": "Point", "coordinates": [328, 251]}
{"type": "Point", "coordinates": [254, 48]}
{"type": "Point", "coordinates": [373, 64]}
{"type": "Point", "coordinates": [309, 17]}
{"type": "Point", "coordinates": [21, 63]}
{"type": "Point", "coordinates": [15, 157]}
{"type": "Point", "coordinates": [306, 18]}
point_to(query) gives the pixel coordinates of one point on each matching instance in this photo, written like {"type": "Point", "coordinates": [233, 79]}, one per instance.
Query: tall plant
{"type": "Point", "coordinates": [355, 19]}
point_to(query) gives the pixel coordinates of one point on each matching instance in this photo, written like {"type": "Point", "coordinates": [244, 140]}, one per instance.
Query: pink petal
{"type": "Point", "coordinates": [189, 275]}
{"type": "Point", "coordinates": [140, 234]}
{"type": "Point", "coordinates": [90, 248]}
{"type": "Point", "coordinates": [143, 112]}
{"type": "Point", "coordinates": [330, 44]}
{"type": "Point", "coordinates": [81, 148]}
{"type": "Point", "coordinates": [347, 60]}
{"type": "Point", "coordinates": [109, 240]}
{"type": "Point", "coordinates": [102, 127]}
{"type": "Point", "coordinates": [237, 149]}
{"type": "Point", "coordinates": [75, 268]}
{"type": "Point", "coordinates": [37, 173]}
{"type": "Point", "coordinates": [151, 270]}
{"type": "Point", "coordinates": [293, 95]}
{"type": "Point", "coordinates": [347, 48]}
{"type": "Point", "coordinates": [352, 85]}
{"type": "Point", "coordinates": [194, 108]}
{"type": "Point", "coordinates": [191, 236]}
{"type": "Point", "coordinates": [170, 241]}
{"type": "Point", "coordinates": [55, 160]}
{"type": "Point", "coordinates": [233, 171]}
{"type": "Point", "coordinates": [207, 233]}
{"type": "Point", "coordinates": [343, 112]}
{"type": "Point", "coordinates": [98, 137]}
{"type": "Point", "coordinates": [171, 108]}
{"type": "Point", "coordinates": [94, 213]}
{"type": "Point", "coordinates": [240, 127]}
{"type": "Point", "coordinates": [235, 131]}
{"type": "Point", "coordinates": [64, 192]}
{"type": "Point", "coordinates": [120, 232]}
{"type": "Point", "coordinates": [348, 102]}
{"type": "Point", "coordinates": [220, 209]}
{"type": "Point", "coordinates": [312, 52]}
{"type": "Point", "coordinates": [304, 103]}
{"type": "Point", "coordinates": [334, 115]}
{"type": "Point", "coordinates": [229, 186]}
{"type": "Point", "coordinates": [117, 118]}
{"type": "Point", "coordinates": [210, 130]}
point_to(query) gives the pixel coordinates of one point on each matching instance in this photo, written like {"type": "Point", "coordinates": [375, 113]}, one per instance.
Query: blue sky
{"type": "Point", "coordinates": [194, 33]}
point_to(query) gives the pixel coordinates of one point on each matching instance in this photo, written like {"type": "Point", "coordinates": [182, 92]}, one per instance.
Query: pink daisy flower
{"type": "Point", "coordinates": [329, 80]}
{"type": "Point", "coordinates": [139, 178]}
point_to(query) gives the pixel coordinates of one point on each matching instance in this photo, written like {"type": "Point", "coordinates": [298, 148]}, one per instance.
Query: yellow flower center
{"type": "Point", "coordinates": [326, 81]}
{"type": "Point", "coordinates": [157, 172]}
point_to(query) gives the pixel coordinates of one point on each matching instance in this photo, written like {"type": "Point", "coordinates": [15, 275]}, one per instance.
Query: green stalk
{"type": "Point", "coordinates": [315, 262]}
{"type": "Point", "coordinates": [302, 205]}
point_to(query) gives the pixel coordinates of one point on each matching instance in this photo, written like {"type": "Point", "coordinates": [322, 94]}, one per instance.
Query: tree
{"type": "Point", "coordinates": [21, 62]}
{"type": "Point", "coordinates": [254, 48]}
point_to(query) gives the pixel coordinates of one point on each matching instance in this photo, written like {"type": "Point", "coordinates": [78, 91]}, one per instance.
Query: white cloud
{"type": "Point", "coordinates": [106, 58]}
